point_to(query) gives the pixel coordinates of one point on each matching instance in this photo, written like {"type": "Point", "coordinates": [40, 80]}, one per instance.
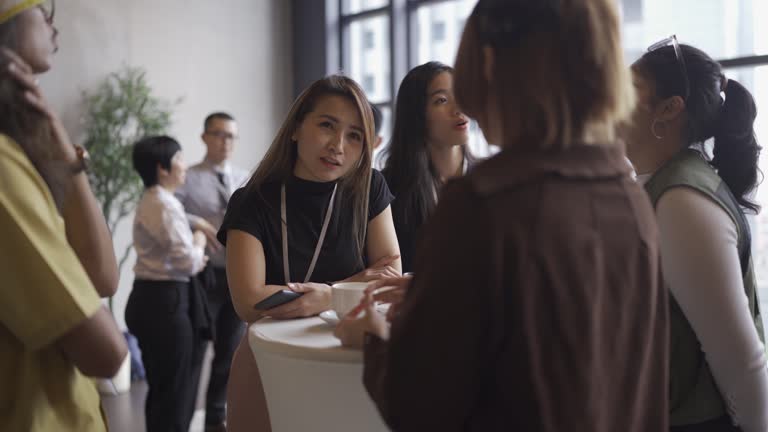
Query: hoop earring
{"type": "Point", "coordinates": [653, 129]}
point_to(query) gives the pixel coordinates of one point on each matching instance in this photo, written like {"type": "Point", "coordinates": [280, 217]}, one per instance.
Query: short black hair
{"type": "Point", "coordinates": [151, 152]}
{"type": "Point", "coordinates": [216, 116]}
{"type": "Point", "coordinates": [377, 118]}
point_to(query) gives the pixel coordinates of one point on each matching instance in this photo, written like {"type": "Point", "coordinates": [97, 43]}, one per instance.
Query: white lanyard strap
{"type": "Point", "coordinates": [323, 231]}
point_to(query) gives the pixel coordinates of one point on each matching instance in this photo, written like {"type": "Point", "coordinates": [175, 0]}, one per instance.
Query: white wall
{"type": "Point", "coordinates": [231, 55]}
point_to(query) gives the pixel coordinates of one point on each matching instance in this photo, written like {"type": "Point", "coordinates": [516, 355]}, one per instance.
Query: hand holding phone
{"type": "Point", "coordinates": [316, 297]}
{"type": "Point", "coordinates": [279, 298]}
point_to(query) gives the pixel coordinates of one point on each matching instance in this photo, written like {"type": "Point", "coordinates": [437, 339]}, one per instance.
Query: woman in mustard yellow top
{"type": "Point", "coordinates": [56, 256]}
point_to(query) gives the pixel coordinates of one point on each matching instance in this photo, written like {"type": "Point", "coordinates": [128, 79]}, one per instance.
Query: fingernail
{"type": "Point", "coordinates": [291, 285]}
{"type": "Point", "coordinates": [11, 67]}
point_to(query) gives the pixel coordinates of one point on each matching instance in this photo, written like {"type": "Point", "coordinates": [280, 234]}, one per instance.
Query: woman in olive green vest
{"type": "Point", "coordinates": [718, 378]}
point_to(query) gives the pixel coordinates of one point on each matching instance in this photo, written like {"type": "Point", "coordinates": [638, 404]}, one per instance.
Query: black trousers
{"type": "Point", "coordinates": [722, 424]}
{"type": "Point", "coordinates": [229, 330]}
{"type": "Point", "coordinates": [158, 314]}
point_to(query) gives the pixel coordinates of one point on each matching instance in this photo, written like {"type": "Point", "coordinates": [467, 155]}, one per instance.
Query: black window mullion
{"type": "Point", "coordinates": [740, 62]}
{"type": "Point", "coordinates": [364, 14]}
{"type": "Point", "coordinates": [399, 49]}
{"type": "Point", "coordinates": [334, 31]}
{"type": "Point", "coordinates": [414, 4]}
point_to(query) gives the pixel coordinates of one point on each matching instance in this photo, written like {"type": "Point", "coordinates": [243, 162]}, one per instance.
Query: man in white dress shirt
{"type": "Point", "coordinates": [205, 195]}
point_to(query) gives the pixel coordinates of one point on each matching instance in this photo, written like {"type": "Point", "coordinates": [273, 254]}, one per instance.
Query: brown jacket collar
{"type": "Point", "coordinates": [509, 168]}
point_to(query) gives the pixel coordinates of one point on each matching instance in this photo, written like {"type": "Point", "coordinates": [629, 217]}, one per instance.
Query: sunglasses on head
{"type": "Point", "coordinates": [672, 40]}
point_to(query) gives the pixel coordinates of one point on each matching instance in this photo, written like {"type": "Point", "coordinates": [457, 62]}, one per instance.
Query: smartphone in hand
{"type": "Point", "coordinates": [277, 299]}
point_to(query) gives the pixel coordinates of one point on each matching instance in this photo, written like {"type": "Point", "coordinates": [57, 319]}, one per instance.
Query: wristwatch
{"type": "Point", "coordinates": [83, 158]}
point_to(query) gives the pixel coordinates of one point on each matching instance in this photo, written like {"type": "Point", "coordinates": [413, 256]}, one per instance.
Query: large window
{"type": "Point", "coordinates": [436, 30]}
{"type": "Point", "coordinates": [730, 31]}
{"type": "Point", "coordinates": [382, 39]}
{"type": "Point", "coordinates": [725, 29]}
{"type": "Point", "coordinates": [366, 51]}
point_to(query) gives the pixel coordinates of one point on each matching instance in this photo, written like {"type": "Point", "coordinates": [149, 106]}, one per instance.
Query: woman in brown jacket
{"type": "Point", "coordinates": [536, 304]}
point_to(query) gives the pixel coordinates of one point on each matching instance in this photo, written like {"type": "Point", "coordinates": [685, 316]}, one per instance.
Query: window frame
{"type": "Point", "coordinates": [403, 46]}
{"type": "Point", "coordinates": [401, 53]}
{"type": "Point", "coordinates": [402, 43]}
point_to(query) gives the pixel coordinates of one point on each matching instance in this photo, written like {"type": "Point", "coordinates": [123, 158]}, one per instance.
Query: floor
{"type": "Point", "coordinates": [125, 412]}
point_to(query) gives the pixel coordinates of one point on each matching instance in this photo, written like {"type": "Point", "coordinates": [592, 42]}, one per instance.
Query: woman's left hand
{"type": "Point", "coordinates": [381, 269]}
{"type": "Point", "coordinates": [20, 71]}
{"type": "Point", "coordinates": [205, 227]}
{"type": "Point", "coordinates": [352, 329]}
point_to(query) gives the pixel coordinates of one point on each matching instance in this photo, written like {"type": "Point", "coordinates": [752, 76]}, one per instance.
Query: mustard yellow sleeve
{"type": "Point", "coordinates": [44, 291]}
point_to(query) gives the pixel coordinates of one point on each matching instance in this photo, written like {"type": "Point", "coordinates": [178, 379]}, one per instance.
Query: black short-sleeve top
{"type": "Point", "coordinates": [306, 205]}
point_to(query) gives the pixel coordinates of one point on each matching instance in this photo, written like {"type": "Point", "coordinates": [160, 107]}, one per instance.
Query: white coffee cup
{"type": "Point", "coordinates": [346, 295]}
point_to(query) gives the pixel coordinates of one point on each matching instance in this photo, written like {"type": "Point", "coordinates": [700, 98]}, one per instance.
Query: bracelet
{"type": "Point", "coordinates": [83, 158]}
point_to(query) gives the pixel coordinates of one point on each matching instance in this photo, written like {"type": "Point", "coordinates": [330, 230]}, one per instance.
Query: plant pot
{"type": "Point", "coordinates": [120, 383]}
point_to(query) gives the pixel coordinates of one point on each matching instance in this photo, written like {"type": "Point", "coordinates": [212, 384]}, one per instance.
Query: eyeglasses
{"type": "Point", "coordinates": [49, 10]}
{"type": "Point", "coordinates": [672, 40]}
{"type": "Point", "coordinates": [221, 135]}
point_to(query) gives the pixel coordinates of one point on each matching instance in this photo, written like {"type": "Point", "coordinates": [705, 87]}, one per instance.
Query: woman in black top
{"type": "Point", "coordinates": [306, 204]}
{"type": "Point", "coordinates": [428, 146]}
{"type": "Point", "coordinates": [316, 174]}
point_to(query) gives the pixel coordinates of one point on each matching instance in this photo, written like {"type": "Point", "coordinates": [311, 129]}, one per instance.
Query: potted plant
{"type": "Point", "coordinates": [121, 110]}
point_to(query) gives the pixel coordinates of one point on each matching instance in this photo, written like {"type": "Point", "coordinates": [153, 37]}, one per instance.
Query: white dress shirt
{"type": "Point", "coordinates": [163, 240]}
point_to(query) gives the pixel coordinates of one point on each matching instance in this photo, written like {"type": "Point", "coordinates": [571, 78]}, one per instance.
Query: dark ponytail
{"type": "Point", "coordinates": [736, 151]}
{"type": "Point", "coordinates": [730, 122]}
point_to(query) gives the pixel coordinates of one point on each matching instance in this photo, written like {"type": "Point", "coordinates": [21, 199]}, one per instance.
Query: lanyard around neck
{"type": "Point", "coordinates": [284, 223]}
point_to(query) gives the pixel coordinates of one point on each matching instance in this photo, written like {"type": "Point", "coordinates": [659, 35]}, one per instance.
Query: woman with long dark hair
{"type": "Point", "coordinates": [428, 147]}
{"type": "Point", "coordinates": [718, 372]}
{"type": "Point", "coordinates": [313, 212]}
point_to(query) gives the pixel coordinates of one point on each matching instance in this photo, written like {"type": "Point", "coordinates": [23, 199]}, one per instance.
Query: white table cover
{"type": "Point", "coordinates": [310, 381]}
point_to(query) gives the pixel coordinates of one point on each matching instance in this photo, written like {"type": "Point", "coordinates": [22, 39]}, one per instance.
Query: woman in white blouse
{"type": "Point", "coordinates": [161, 309]}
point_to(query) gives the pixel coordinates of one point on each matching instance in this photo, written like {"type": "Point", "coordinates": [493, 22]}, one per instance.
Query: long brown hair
{"type": "Point", "coordinates": [559, 69]}
{"type": "Point", "coordinates": [279, 161]}
{"type": "Point", "coordinates": [29, 128]}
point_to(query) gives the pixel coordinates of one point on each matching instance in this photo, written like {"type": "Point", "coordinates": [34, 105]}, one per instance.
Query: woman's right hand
{"type": "Point", "coordinates": [199, 239]}
{"type": "Point", "coordinates": [23, 74]}
{"type": "Point", "coordinates": [316, 299]}
{"type": "Point", "coordinates": [381, 269]}
{"type": "Point", "coordinates": [353, 327]}
{"type": "Point", "coordinates": [390, 291]}
{"type": "Point", "coordinates": [202, 225]}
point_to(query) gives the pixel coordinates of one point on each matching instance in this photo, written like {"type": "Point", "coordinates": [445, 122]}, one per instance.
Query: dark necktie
{"type": "Point", "coordinates": [224, 191]}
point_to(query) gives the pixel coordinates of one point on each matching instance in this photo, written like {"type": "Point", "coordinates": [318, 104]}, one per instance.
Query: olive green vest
{"type": "Point", "coordinates": [694, 397]}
